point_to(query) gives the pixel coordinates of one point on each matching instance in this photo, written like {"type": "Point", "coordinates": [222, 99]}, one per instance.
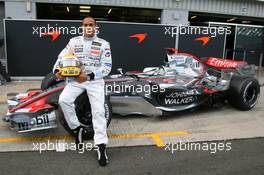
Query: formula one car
{"type": "Point", "coordinates": [183, 82]}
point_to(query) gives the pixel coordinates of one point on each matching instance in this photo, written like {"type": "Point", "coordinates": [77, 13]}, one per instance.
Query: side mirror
{"type": "Point", "coordinates": [120, 70]}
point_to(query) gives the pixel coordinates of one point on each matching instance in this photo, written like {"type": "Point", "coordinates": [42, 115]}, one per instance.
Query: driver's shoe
{"type": "Point", "coordinates": [102, 157]}
{"type": "Point", "coordinates": [79, 134]}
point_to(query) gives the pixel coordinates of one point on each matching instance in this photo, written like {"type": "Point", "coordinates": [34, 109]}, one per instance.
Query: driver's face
{"type": "Point", "coordinates": [89, 27]}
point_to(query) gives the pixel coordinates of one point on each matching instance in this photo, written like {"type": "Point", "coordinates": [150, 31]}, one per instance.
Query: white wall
{"type": "Point", "coordinates": [18, 10]}
{"type": "Point", "coordinates": [174, 17]}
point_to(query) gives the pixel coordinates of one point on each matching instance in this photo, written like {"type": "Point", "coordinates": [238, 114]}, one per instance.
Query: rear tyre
{"type": "Point", "coordinates": [243, 93]}
{"type": "Point", "coordinates": [83, 112]}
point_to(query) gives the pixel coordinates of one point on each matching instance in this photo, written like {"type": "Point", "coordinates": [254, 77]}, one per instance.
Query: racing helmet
{"type": "Point", "coordinates": [69, 66]}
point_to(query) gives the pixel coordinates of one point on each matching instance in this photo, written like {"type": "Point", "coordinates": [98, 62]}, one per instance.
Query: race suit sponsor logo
{"type": "Point", "coordinates": [78, 50]}
{"type": "Point", "coordinates": [95, 52]}
{"type": "Point", "coordinates": [94, 43]}
{"type": "Point", "coordinates": [108, 64]}
{"type": "Point", "coordinates": [91, 63]}
{"type": "Point", "coordinates": [95, 48]}
{"type": "Point", "coordinates": [107, 54]}
{"type": "Point", "coordinates": [222, 63]}
{"type": "Point", "coordinates": [80, 57]}
{"type": "Point", "coordinates": [96, 58]}
{"type": "Point", "coordinates": [78, 45]}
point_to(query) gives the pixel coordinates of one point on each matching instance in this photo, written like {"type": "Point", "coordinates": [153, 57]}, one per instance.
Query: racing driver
{"type": "Point", "coordinates": [95, 55]}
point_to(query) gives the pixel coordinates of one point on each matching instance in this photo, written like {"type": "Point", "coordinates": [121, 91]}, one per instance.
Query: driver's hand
{"type": "Point", "coordinates": [58, 75]}
{"type": "Point", "coordinates": [82, 77]}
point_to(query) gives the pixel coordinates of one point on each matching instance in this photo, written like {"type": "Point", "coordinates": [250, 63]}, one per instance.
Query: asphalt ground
{"type": "Point", "coordinates": [245, 158]}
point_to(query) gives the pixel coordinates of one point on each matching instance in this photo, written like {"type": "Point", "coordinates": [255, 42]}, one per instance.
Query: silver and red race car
{"type": "Point", "coordinates": [183, 82]}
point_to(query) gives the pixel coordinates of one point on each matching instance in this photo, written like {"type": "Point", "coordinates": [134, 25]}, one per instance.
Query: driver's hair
{"type": "Point", "coordinates": [91, 18]}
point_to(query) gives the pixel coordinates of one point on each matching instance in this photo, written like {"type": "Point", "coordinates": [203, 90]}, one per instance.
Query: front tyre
{"type": "Point", "coordinates": [83, 112]}
{"type": "Point", "coordinates": [243, 93]}
{"type": "Point", "coordinates": [49, 81]}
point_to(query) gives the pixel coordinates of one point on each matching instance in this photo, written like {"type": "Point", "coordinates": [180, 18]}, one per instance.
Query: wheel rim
{"type": "Point", "coordinates": [86, 119]}
{"type": "Point", "coordinates": [250, 94]}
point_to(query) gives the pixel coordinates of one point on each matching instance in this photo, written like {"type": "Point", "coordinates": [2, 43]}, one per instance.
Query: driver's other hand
{"type": "Point", "coordinates": [58, 75]}
{"type": "Point", "coordinates": [82, 78]}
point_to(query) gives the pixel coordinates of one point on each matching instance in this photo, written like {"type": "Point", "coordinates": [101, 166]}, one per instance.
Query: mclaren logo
{"type": "Point", "coordinates": [205, 40]}
{"type": "Point", "coordinates": [54, 35]}
{"type": "Point", "coordinates": [139, 36]}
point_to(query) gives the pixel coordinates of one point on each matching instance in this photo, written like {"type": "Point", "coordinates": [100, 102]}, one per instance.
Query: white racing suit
{"type": "Point", "coordinates": [95, 55]}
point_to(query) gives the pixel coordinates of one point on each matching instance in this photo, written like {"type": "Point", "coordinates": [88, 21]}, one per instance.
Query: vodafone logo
{"type": "Point", "coordinates": [139, 36]}
{"type": "Point", "coordinates": [54, 35]}
{"type": "Point", "coordinates": [205, 40]}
